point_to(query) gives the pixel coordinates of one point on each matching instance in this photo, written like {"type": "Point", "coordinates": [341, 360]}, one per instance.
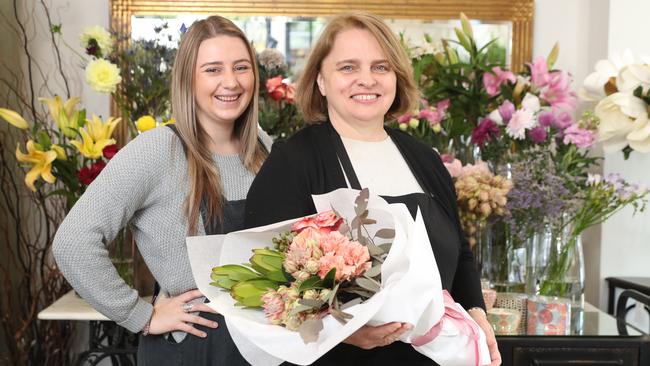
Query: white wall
{"type": "Point", "coordinates": [590, 30]}
{"type": "Point", "coordinates": [627, 238]}
{"type": "Point", "coordinates": [74, 16]}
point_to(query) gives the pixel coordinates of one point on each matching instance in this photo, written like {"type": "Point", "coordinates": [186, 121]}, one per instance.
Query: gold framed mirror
{"type": "Point", "coordinates": [518, 12]}
{"type": "Point", "coordinates": [440, 16]}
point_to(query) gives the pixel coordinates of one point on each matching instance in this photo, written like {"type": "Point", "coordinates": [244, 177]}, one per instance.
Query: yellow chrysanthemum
{"type": "Point", "coordinates": [41, 162]}
{"type": "Point", "coordinates": [145, 123]}
{"type": "Point", "coordinates": [13, 118]}
{"type": "Point", "coordinates": [64, 114]}
{"type": "Point", "coordinates": [96, 136]}
{"type": "Point", "coordinates": [102, 76]}
{"type": "Point", "coordinates": [100, 35]}
{"type": "Point", "coordinates": [169, 122]}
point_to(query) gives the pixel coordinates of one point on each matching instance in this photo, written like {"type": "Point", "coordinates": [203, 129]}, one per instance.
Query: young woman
{"type": "Point", "coordinates": [167, 184]}
{"type": "Point", "coordinates": [357, 77]}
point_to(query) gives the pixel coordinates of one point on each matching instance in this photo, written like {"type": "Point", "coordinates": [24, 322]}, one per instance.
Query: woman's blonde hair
{"type": "Point", "coordinates": [204, 181]}
{"type": "Point", "coordinates": [313, 105]}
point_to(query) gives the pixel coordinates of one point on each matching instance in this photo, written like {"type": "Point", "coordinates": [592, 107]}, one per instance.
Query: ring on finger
{"type": "Point", "coordinates": [187, 307]}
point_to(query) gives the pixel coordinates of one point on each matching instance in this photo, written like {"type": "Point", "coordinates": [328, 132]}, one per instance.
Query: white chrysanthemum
{"type": "Point", "coordinates": [100, 35]}
{"type": "Point", "coordinates": [102, 76]}
{"type": "Point", "coordinates": [521, 121]}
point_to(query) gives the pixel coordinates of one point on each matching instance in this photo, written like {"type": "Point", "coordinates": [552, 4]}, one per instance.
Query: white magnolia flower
{"type": "Point", "coordinates": [617, 113]}
{"type": "Point", "coordinates": [594, 85]}
{"type": "Point", "coordinates": [632, 76]}
{"type": "Point", "coordinates": [530, 103]}
{"type": "Point", "coordinates": [639, 138]}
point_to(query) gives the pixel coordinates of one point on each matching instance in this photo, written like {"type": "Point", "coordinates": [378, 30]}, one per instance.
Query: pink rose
{"type": "Point", "coordinates": [327, 221]}
{"type": "Point", "coordinates": [305, 222]}
{"type": "Point", "coordinates": [323, 222]}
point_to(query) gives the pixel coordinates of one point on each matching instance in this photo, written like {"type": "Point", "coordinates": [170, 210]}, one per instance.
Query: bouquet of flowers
{"type": "Point", "coordinates": [529, 110]}
{"type": "Point", "coordinates": [621, 88]}
{"type": "Point", "coordinates": [327, 276]}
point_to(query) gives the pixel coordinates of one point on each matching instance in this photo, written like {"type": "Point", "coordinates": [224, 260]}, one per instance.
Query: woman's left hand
{"type": "Point", "coordinates": [480, 319]}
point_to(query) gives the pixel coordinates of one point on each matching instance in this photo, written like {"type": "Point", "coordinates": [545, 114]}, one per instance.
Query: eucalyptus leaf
{"type": "Point", "coordinates": [373, 271]}
{"type": "Point", "coordinates": [332, 295]}
{"type": "Point", "coordinates": [386, 247]}
{"type": "Point", "coordinates": [356, 224]}
{"type": "Point", "coordinates": [368, 284]}
{"type": "Point", "coordinates": [361, 202]}
{"type": "Point", "coordinates": [368, 221]}
{"type": "Point", "coordinates": [314, 303]}
{"type": "Point", "coordinates": [300, 308]}
{"type": "Point", "coordinates": [374, 250]}
{"type": "Point", "coordinates": [340, 316]}
{"type": "Point", "coordinates": [385, 233]}
{"type": "Point", "coordinates": [351, 303]}
{"type": "Point", "coordinates": [310, 329]}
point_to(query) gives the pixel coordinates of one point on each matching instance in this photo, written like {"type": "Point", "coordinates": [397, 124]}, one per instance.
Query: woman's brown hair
{"type": "Point", "coordinates": [203, 176]}
{"type": "Point", "coordinates": [309, 100]}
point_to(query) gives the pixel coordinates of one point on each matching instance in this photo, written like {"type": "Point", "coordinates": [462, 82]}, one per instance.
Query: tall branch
{"type": "Point", "coordinates": [29, 59]}
{"type": "Point", "coordinates": [56, 49]}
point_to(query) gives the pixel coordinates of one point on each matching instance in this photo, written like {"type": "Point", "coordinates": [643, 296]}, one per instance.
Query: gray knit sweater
{"type": "Point", "coordinates": [143, 186]}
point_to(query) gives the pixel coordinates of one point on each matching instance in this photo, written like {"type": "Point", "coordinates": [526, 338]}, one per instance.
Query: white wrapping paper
{"type": "Point", "coordinates": [411, 291]}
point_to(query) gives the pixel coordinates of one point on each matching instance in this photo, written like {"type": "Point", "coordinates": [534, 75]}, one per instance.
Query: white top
{"type": "Point", "coordinates": [380, 167]}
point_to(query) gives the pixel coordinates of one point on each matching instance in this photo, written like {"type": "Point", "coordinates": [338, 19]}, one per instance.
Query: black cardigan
{"type": "Point", "coordinates": [307, 164]}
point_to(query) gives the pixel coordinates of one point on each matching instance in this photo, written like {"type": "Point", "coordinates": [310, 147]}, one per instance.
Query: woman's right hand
{"type": "Point", "coordinates": [369, 337]}
{"type": "Point", "coordinates": [169, 315]}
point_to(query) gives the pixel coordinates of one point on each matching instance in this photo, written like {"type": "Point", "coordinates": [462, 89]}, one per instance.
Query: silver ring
{"type": "Point", "coordinates": [188, 307]}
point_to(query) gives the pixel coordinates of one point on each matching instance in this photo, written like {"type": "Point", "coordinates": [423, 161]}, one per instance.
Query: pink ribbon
{"type": "Point", "coordinates": [461, 320]}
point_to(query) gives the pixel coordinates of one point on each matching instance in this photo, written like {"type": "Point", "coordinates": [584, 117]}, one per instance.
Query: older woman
{"type": "Point", "coordinates": [357, 77]}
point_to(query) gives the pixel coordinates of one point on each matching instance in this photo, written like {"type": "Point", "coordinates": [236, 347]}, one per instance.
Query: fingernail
{"type": "Point", "coordinates": [204, 335]}
{"type": "Point", "coordinates": [215, 324]}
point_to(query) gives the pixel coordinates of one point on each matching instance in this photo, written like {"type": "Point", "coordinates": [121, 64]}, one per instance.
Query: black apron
{"type": "Point", "coordinates": [218, 347]}
{"type": "Point", "coordinates": [445, 242]}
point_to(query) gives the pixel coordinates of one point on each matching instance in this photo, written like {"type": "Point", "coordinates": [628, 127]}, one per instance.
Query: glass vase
{"type": "Point", "coordinates": [564, 275]}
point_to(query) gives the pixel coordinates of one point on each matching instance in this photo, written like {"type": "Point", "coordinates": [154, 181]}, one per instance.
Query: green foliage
{"type": "Point", "coordinates": [146, 67]}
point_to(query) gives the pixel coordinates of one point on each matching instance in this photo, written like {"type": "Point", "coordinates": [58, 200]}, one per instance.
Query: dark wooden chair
{"type": "Point", "coordinates": [622, 308]}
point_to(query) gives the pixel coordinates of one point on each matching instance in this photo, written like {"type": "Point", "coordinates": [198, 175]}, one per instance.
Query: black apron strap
{"type": "Point", "coordinates": [344, 159]}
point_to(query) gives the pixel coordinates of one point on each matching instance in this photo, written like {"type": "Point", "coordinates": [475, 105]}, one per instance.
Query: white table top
{"type": "Point", "coordinates": [72, 307]}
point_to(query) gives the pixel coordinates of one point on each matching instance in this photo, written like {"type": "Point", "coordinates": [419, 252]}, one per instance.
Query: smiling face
{"type": "Point", "coordinates": [357, 79]}
{"type": "Point", "coordinates": [223, 81]}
